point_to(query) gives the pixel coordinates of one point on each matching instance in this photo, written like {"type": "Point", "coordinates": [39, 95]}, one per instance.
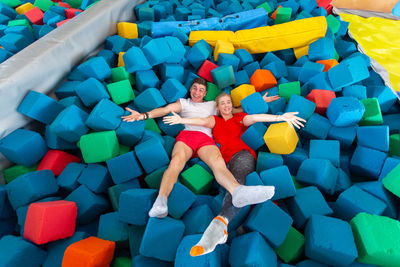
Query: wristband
{"type": "Point", "coordinates": [146, 115]}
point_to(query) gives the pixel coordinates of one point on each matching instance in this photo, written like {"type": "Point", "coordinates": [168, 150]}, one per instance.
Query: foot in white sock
{"type": "Point", "coordinates": [160, 207]}
{"type": "Point", "coordinates": [215, 234]}
{"type": "Point", "coordinates": [248, 195]}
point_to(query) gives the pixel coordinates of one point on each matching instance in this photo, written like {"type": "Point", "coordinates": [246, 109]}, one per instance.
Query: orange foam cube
{"type": "Point", "coordinates": [121, 62]}
{"type": "Point", "coordinates": [273, 16]}
{"type": "Point", "coordinates": [328, 63]}
{"type": "Point", "coordinates": [262, 80]}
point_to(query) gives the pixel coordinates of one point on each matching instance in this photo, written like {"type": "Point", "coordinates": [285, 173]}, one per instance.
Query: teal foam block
{"type": "Point", "coordinates": [266, 160]}
{"type": "Point", "coordinates": [389, 165]}
{"type": "Point", "coordinates": [318, 172]}
{"type": "Point", "coordinates": [310, 263]}
{"type": "Point", "coordinates": [56, 249]}
{"type": "Point", "coordinates": [325, 149]}
{"type": "Point", "coordinates": [161, 238]}
{"type": "Point", "coordinates": [348, 72]}
{"type": "Point", "coordinates": [140, 200]}
{"type": "Point", "coordinates": [321, 49]}
{"type": "Point", "coordinates": [91, 91]}
{"type": "Point", "coordinates": [184, 259]}
{"type": "Point", "coordinates": [345, 111]}
{"type": "Point", "coordinates": [355, 200]}
{"type": "Point", "coordinates": [385, 96]}
{"type": "Point", "coordinates": [151, 155]}
{"type": "Point", "coordinates": [229, 59]}
{"type": "Point", "coordinates": [367, 162]}
{"type": "Point", "coordinates": [124, 167]}
{"type": "Point", "coordinates": [172, 71]}
{"type": "Point", "coordinates": [223, 76]}
{"type": "Point", "coordinates": [135, 60]}
{"type": "Point", "coordinates": [299, 104]}
{"type": "Point", "coordinates": [149, 99]}
{"type": "Point", "coordinates": [345, 135]}
{"type": "Point", "coordinates": [111, 228]}
{"type": "Point", "coordinates": [142, 261]}
{"type": "Point", "coordinates": [197, 219]}
{"type": "Point", "coordinates": [23, 147]}
{"type": "Point", "coordinates": [130, 133]}
{"type": "Point", "coordinates": [105, 116]}
{"type": "Point", "coordinates": [68, 179]}
{"type": "Point", "coordinates": [146, 79]}
{"type": "Point", "coordinates": [40, 107]}
{"type": "Point", "coordinates": [254, 104]}
{"type": "Point", "coordinates": [180, 200]}
{"type": "Point", "coordinates": [282, 180]}
{"type": "Point", "coordinates": [358, 91]}
{"type": "Point", "coordinates": [178, 50]}
{"type": "Point", "coordinates": [16, 251]}
{"type": "Point", "coordinates": [198, 53]}
{"type": "Point", "coordinates": [254, 135]}
{"type": "Point", "coordinates": [294, 160]}
{"type": "Point", "coordinates": [117, 44]}
{"type": "Point", "coordinates": [330, 240]}
{"type": "Point", "coordinates": [5, 207]}
{"type": "Point", "coordinates": [241, 77]}
{"type": "Point", "coordinates": [316, 127]}
{"type": "Point", "coordinates": [72, 100]}
{"type": "Point", "coordinates": [251, 250]}
{"type": "Point", "coordinates": [95, 67]}
{"type": "Point", "coordinates": [157, 51]}
{"type": "Point", "coordinates": [271, 221]}
{"type": "Point", "coordinates": [251, 68]}
{"type": "Point", "coordinates": [100, 183]}
{"type": "Point", "coordinates": [343, 181]}
{"type": "Point", "coordinates": [169, 130]}
{"type": "Point", "coordinates": [172, 90]}
{"type": "Point", "coordinates": [375, 137]}
{"type": "Point", "coordinates": [135, 235]}
{"type": "Point", "coordinates": [30, 187]}
{"type": "Point", "coordinates": [308, 201]}
{"type": "Point", "coordinates": [393, 121]}
{"type": "Point", "coordinates": [309, 70]}
{"type": "Point", "coordinates": [114, 192]}
{"type": "Point", "coordinates": [90, 205]}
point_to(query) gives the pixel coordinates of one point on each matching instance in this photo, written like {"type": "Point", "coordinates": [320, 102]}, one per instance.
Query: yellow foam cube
{"type": "Point", "coordinates": [22, 9]}
{"type": "Point", "coordinates": [223, 47]}
{"type": "Point", "coordinates": [241, 92]}
{"type": "Point", "coordinates": [280, 138]}
{"type": "Point", "coordinates": [127, 30]}
{"type": "Point", "coordinates": [300, 51]}
{"type": "Point", "coordinates": [121, 62]}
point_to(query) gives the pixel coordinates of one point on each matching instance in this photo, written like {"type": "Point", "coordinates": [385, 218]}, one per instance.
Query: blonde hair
{"type": "Point", "coordinates": [222, 94]}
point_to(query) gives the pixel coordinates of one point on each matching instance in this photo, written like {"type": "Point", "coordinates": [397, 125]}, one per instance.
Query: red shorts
{"type": "Point", "coordinates": [195, 140]}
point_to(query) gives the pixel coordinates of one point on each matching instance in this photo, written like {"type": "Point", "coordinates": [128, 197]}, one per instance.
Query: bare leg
{"type": "Point", "coordinates": [180, 155]}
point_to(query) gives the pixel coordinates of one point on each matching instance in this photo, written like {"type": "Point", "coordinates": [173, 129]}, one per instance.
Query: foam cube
{"type": "Point", "coordinates": [153, 180]}
{"type": "Point", "coordinates": [95, 67]}
{"type": "Point", "coordinates": [56, 161]}
{"type": "Point", "coordinates": [286, 90]}
{"type": "Point", "coordinates": [367, 162]}
{"type": "Point", "coordinates": [375, 137]}
{"type": "Point", "coordinates": [135, 60]}
{"type": "Point", "coordinates": [280, 138]}
{"type": "Point", "coordinates": [294, 159]}
{"type": "Point", "coordinates": [223, 76]}
{"type": "Point", "coordinates": [300, 104]}
{"type": "Point", "coordinates": [157, 51]}
{"type": "Point", "coordinates": [149, 99]}
{"type": "Point", "coordinates": [172, 70]}
{"type": "Point", "coordinates": [348, 72]}
{"type": "Point", "coordinates": [205, 70]}
{"type": "Point", "coordinates": [377, 239]}
{"type": "Point", "coordinates": [16, 251]}
{"type": "Point", "coordinates": [102, 181]}
{"type": "Point", "coordinates": [151, 154]}
{"type": "Point", "coordinates": [197, 179]}
{"type": "Point", "coordinates": [240, 93]}
{"type": "Point", "coordinates": [283, 15]}
{"type": "Point", "coordinates": [127, 30]}
{"type": "Point", "coordinates": [372, 114]}
{"type": "Point", "coordinates": [111, 228]}
{"type": "Point", "coordinates": [254, 104]}
{"type": "Point", "coordinates": [50, 221]}
{"type": "Point", "coordinates": [212, 92]}
{"type": "Point", "coordinates": [70, 124]}
{"type": "Point", "coordinates": [197, 219]}
{"type": "Point", "coordinates": [35, 15]}
{"type": "Point", "coordinates": [161, 238]}
{"type": "Point", "coordinates": [13, 42]}
{"type": "Point", "coordinates": [330, 240]}
{"type": "Point", "coordinates": [267, 161]}
{"type": "Point", "coordinates": [318, 172]}
{"type": "Point", "coordinates": [282, 180]}
{"type": "Point", "coordinates": [120, 74]}
{"type": "Point", "coordinates": [130, 133]}
{"type": "Point", "coordinates": [114, 192]}
{"type": "Point", "coordinates": [292, 249]}
{"type": "Point", "coordinates": [390, 181]}
{"type": "Point", "coordinates": [99, 146]}
{"type": "Point", "coordinates": [24, 8]}
{"type": "Point", "coordinates": [321, 49]}
{"type": "Point", "coordinates": [328, 63]}
{"type": "Point", "coordinates": [322, 99]}
{"type": "Point", "coordinates": [40, 107]}
{"type": "Point", "coordinates": [305, 203]}
{"type": "Point", "coordinates": [319, 148]}
{"type": "Point", "coordinates": [229, 59]}
{"type": "Point", "coordinates": [222, 46]}
{"type": "Point", "coordinates": [262, 80]}
{"type": "Point", "coordinates": [100, 120]}
{"type": "Point", "coordinates": [385, 96]}
{"type": "Point", "coordinates": [90, 205]}
{"type": "Point", "coordinates": [251, 249]}
{"type": "Point", "coordinates": [31, 187]}
{"type": "Point", "coordinates": [124, 167]}
{"type": "Point", "coordinates": [146, 79]}
{"type": "Point", "coordinates": [316, 127]}
{"type": "Point", "coordinates": [345, 111]}
{"type": "Point", "coordinates": [68, 179]}
{"type": "Point", "coordinates": [354, 200]}
{"type": "Point", "coordinates": [198, 53]}
{"type": "Point", "coordinates": [178, 51]}
{"type": "Point", "coordinates": [254, 136]}
{"type": "Point", "coordinates": [13, 172]}
{"type": "Point", "coordinates": [23, 147]}
{"type": "Point", "coordinates": [180, 200]}
{"type": "Point", "coordinates": [140, 260]}
{"type": "Point", "coordinates": [91, 251]}
{"type": "Point", "coordinates": [121, 92]}
{"type": "Point", "coordinates": [309, 70]}
{"type": "Point", "coordinates": [172, 90]}
{"type": "Point", "coordinates": [169, 130]}
{"type": "Point", "coordinates": [271, 221]}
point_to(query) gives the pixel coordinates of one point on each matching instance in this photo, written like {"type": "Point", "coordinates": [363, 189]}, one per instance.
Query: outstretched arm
{"type": "Point", "coordinates": [289, 117]}
{"type": "Point", "coordinates": [266, 98]}
{"type": "Point", "coordinates": [208, 122]}
{"type": "Point", "coordinates": [155, 113]}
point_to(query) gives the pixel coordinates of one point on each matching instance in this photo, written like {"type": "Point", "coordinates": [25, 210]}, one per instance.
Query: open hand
{"type": "Point", "coordinates": [268, 99]}
{"type": "Point", "coordinates": [291, 118]}
{"type": "Point", "coordinates": [134, 116]}
{"type": "Point", "coordinates": [173, 119]}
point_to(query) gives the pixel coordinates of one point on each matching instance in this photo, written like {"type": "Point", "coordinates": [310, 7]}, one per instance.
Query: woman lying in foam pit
{"type": "Point", "coordinates": [240, 158]}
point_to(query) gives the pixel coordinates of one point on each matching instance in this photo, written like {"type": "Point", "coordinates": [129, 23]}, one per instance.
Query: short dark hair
{"type": "Point", "coordinates": [201, 81]}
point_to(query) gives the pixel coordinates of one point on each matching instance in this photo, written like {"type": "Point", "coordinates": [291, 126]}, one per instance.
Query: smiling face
{"type": "Point", "coordinates": [198, 92]}
{"type": "Point", "coordinates": [224, 104]}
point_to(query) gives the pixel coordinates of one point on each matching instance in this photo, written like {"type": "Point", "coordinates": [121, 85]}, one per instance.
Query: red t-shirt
{"type": "Point", "coordinates": [228, 133]}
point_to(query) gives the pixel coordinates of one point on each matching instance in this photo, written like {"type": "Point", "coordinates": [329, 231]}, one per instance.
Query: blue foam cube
{"type": "Point", "coordinates": [305, 203]}
{"type": "Point", "coordinates": [178, 51]}
{"type": "Point", "coordinates": [386, 97]}
{"type": "Point", "coordinates": [388, 166]}
{"type": "Point", "coordinates": [55, 142]}
{"type": "Point", "coordinates": [117, 44]}
{"type": "Point", "coordinates": [68, 179]}
{"type": "Point", "coordinates": [321, 49]}
{"type": "Point", "coordinates": [146, 79]}
{"type": "Point", "coordinates": [140, 260]}
{"type": "Point", "coordinates": [293, 160]}
{"type": "Point", "coordinates": [345, 111]}
{"type": "Point", "coordinates": [241, 77]}
{"type": "Point", "coordinates": [19, 252]}
{"type": "Point", "coordinates": [269, 58]}
{"type": "Point", "coordinates": [197, 219]}
{"type": "Point", "coordinates": [310, 263]}
{"type": "Point", "coordinates": [115, 191]}
{"type": "Point", "coordinates": [375, 137]}
{"type": "Point", "coordinates": [151, 155]}
{"type": "Point", "coordinates": [282, 180]}
{"type": "Point", "coordinates": [106, 115]}
{"type": "Point", "coordinates": [180, 200]}
{"type": "Point", "coordinates": [169, 70]}
{"type": "Point", "coordinates": [229, 59]}
{"type": "Point", "coordinates": [251, 67]}
{"type": "Point", "coordinates": [172, 90]}
{"type": "Point", "coordinates": [102, 181]}
{"type": "Point", "coordinates": [183, 38]}
{"type": "Point", "coordinates": [198, 53]}
{"type": "Point", "coordinates": [325, 149]}
{"type": "Point", "coordinates": [278, 69]}
{"type": "Point", "coordinates": [316, 127]}
{"type": "Point", "coordinates": [23, 147]}
{"type": "Point", "coordinates": [309, 70]}
{"type": "Point", "coordinates": [67, 89]}
{"type": "Point", "coordinates": [169, 130]}
{"type": "Point", "coordinates": [149, 99]}
{"type": "Point", "coordinates": [109, 56]}
{"type": "Point", "coordinates": [95, 67]}
{"type": "Point", "coordinates": [367, 162]}
{"type": "Point", "coordinates": [254, 104]}
{"type": "Point", "coordinates": [254, 135]}
{"type": "Point", "coordinates": [299, 104]}
{"type": "Point", "coordinates": [344, 48]}
{"type": "Point", "coordinates": [130, 133]}
{"type": "Point", "coordinates": [111, 228]}
{"type": "Point", "coordinates": [223, 76]}
{"type": "Point", "coordinates": [266, 160]}
{"type": "Point", "coordinates": [91, 91]}
{"type": "Point", "coordinates": [343, 181]}
{"type": "Point", "coordinates": [345, 135]}
{"type": "Point", "coordinates": [277, 106]}
{"type": "Point", "coordinates": [348, 72]}
{"type": "Point", "coordinates": [157, 51]}
{"type": "Point", "coordinates": [14, 42]}
{"type": "Point", "coordinates": [135, 60]}
{"type": "Point", "coordinates": [124, 167]}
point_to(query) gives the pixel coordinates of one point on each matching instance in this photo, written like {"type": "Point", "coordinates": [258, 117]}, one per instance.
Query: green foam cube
{"type": "Point", "coordinates": [99, 146]}
{"type": "Point", "coordinates": [17, 170]}
{"type": "Point", "coordinates": [43, 5]}
{"type": "Point", "coordinates": [336, 55]}
{"type": "Point", "coordinates": [266, 6]}
{"type": "Point", "coordinates": [197, 179]}
{"type": "Point", "coordinates": [372, 114]}
{"type": "Point", "coordinates": [121, 92]}
{"type": "Point", "coordinates": [11, 3]}
{"type": "Point", "coordinates": [283, 15]}
{"type": "Point", "coordinates": [296, 183]}
{"type": "Point", "coordinates": [20, 22]}
{"type": "Point", "coordinates": [153, 180]}
{"type": "Point", "coordinates": [122, 262]}
{"type": "Point", "coordinates": [212, 92]}
{"type": "Point", "coordinates": [394, 145]}
{"type": "Point", "coordinates": [74, 3]}
{"type": "Point", "coordinates": [392, 181]}
{"type": "Point", "coordinates": [333, 23]}
{"type": "Point", "coordinates": [123, 149]}
{"type": "Point", "coordinates": [151, 124]}
{"type": "Point", "coordinates": [120, 74]}
{"type": "Point", "coordinates": [377, 239]}
{"type": "Point", "coordinates": [292, 248]}
{"type": "Point", "coordinates": [135, 234]}
{"type": "Point", "coordinates": [286, 90]}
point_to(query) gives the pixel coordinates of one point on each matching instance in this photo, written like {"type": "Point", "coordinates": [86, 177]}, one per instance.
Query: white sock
{"type": "Point", "coordinates": [160, 207]}
{"type": "Point", "coordinates": [248, 195]}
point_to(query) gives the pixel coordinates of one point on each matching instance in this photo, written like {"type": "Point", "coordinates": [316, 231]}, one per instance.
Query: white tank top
{"type": "Point", "coordinates": [192, 109]}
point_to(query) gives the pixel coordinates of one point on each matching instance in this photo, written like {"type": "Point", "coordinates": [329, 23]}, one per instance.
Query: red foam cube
{"type": "Point", "coordinates": [205, 70]}
{"type": "Point", "coordinates": [56, 161]}
{"type": "Point", "coordinates": [326, 4]}
{"type": "Point", "coordinates": [71, 12]}
{"type": "Point", "coordinates": [62, 22]}
{"type": "Point", "coordinates": [322, 98]}
{"type": "Point", "coordinates": [62, 4]}
{"type": "Point", "coordinates": [35, 15]}
{"type": "Point", "coordinates": [50, 221]}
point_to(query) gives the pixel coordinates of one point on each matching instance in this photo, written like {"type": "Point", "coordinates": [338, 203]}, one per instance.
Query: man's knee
{"type": "Point", "coordinates": [178, 160]}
